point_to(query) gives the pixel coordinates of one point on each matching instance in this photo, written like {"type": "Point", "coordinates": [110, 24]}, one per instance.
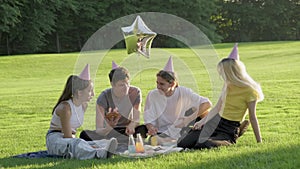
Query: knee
{"type": "Point", "coordinates": [143, 130]}
{"type": "Point", "coordinates": [83, 135]}
{"type": "Point", "coordinates": [184, 144]}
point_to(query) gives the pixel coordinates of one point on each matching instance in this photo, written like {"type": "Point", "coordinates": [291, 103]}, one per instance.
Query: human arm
{"type": "Point", "coordinates": [254, 121]}
{"type": "Point", "coordinates": [135, 97]}
{"type": "Point", "coordinates": [214, 111]}
{"type": "Point", "coordinates": [100, 120]}
{"type": "Point", "coordinates": [149, 116]}
{"type": "Point", "coordinates": [64, 112]}
{"type": "Point", "coordinates": [152, 130]}
{"type": "Point", "coordinates": [200, 106]}
{"type": "Point", "coordinates": [130, 128]}
{"type": "Point", "coordinates": [202, 111]}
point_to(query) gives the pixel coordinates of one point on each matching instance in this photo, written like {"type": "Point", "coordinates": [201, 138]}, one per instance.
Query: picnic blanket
{"type": "Point", "coordinates": [37, 154]}
{"type": "Point", "coordinates": [150, 151]}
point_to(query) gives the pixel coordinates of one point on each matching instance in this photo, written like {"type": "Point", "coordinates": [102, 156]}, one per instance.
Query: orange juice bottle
{"type": "Point", "coordinates": [154, 141]}
{"type": "Point", "coordinates": [139, 145]}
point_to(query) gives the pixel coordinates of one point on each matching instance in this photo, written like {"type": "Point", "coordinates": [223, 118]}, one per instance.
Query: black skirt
{"type": "Point", "coordinates": [217, 128]}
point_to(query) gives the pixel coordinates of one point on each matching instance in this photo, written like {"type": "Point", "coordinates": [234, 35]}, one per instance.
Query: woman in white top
{"type": "Point", "coordinates": [67, 116]}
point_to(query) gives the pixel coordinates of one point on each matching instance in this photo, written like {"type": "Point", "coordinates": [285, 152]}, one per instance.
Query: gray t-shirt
{"type": "Point", "coordinates": [125, 105]}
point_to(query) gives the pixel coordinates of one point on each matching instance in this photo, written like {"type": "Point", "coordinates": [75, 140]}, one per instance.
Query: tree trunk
{"type": "Point", "coordinates": [7, 45]}
{"type": "Point", "coordinates": [79, 41]}
{"type": "Point", "coordinates": [0, 36]}
{"type": "Point", "coordinates": [57, 43]}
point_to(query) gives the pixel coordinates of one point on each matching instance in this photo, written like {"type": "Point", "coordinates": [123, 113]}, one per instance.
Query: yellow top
{"type": "Point", "coordinates": [237, 100]}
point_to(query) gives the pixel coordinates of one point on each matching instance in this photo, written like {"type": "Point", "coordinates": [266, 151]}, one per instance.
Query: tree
{"type": "Point", "coordinates": [64, 25]}
{"type": "Point", "coordinates": [37, 19]}
{"type": "Point", "coordinates": [10, 16]}
{"type": "Point", "coordinates": [257, 20]}
{"type": "Point", "coordinates": [31, 26]}
{"type": "Point", "coordinates": [198, 12]}
{"type": "Point", "coordinates": [60, 39]}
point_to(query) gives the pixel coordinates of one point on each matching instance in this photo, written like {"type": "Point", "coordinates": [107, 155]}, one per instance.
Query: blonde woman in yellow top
{"type": "Point", "coordinates": [239, 96]}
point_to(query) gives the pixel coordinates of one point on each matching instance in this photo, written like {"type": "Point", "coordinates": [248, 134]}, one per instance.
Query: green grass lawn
{"type": "Point", "coordinates": [31, 84]}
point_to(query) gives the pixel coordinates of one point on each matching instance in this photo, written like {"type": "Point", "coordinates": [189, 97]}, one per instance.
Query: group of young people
{"type": "Point", "coordinates": [171, 112]}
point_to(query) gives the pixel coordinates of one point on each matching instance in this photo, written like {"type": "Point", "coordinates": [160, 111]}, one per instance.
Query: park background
{"type": "Point", "coordinates": [40, 42]}
{"type": "Point", "coordinates": [39, 26]}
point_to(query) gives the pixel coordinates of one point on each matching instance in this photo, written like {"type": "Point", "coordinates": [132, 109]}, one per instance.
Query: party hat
{"type": "Point", "coordinates": [85, 74]}
{"type": "Point", "coordinates": [114, 65]}
{"type": "Point", "coordinates": [234, 53]}
{"type": "Point", "coordinates": [169, 65]}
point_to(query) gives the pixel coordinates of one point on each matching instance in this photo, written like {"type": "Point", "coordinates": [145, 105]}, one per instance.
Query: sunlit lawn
{"type": "Point", "coordinates": [31, 84]}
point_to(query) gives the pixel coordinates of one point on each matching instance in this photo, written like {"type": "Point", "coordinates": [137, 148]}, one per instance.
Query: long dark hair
{"type": "Point", "coordinates": [74, 83]}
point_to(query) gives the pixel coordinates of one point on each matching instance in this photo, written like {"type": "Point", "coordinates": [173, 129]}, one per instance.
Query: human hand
{"type": "Point", "coordinates": [130, 129]}
{"type": "Point", "coordinates": [259, 140]}
{"type": "Point", "coordinates": [198, 125]}
{"type": "Point", "coordinates": [151, 129]}
{"type": "Point", "coordinates": [112, 117]}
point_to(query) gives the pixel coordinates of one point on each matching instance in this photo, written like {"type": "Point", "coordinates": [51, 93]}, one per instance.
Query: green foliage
{"type": "Point", "coordinates": [37, 19]}
{"type": "Point", "coordinates": [263, 20]}
{"type": "Point", "coordinates": [64, 26]}
{"type": "Point", "coordinates": [10, 14]}
{"type": "Point", "coordinates": [31, 84]}
{"type": "Point", "coordinates": [9, 17]}
{"type": "Point", "coordinates": [37, 26]}
{"type": "Point", "coordinates": [75, 22]}
{"type": "Point", "coordinates": [197, 12]}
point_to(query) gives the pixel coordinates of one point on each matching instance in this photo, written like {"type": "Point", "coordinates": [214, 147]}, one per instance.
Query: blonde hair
{"type": "Point", "coordinates": [234, 72]}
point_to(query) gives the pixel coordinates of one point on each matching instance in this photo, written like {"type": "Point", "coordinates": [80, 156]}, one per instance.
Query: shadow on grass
{"type": "Point", "coordinates": [287, 157]}
{"type": "Point", "coordinates": [283, 157]}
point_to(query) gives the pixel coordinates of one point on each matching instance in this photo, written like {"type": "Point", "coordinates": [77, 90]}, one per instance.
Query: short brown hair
{"type": "Point", "coordinates": [168, 76]}
{"type": "Point", "coordinates": [118, 74]}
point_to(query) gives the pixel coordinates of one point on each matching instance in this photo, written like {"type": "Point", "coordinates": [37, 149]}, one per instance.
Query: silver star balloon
{"type": "Point", "coordinates": [138, 37]}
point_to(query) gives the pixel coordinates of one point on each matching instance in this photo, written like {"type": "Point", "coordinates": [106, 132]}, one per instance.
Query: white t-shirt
{"type": "Point", "coordinates": [163, 112]}
{"type": "Point", "coordinates": [76, 118]}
